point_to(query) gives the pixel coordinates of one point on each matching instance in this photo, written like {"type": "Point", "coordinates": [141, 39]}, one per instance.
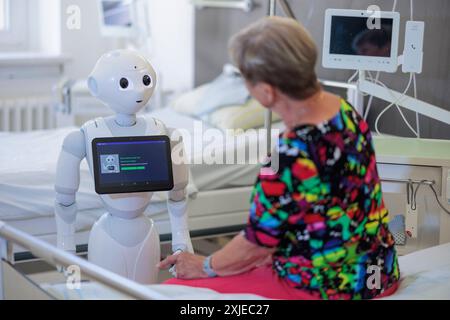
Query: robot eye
{"type": "Point", "coordinates": [123, 83]}
{"type": "Point", "coordinates": [147, 80]}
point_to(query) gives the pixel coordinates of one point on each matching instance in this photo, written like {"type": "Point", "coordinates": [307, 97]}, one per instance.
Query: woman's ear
{"type": "Point", "coordinates": [267, 94]}
{"type": "Point", "coordinates": [270, 92]}
{"type": "Point", "coordinates": [263, 92]}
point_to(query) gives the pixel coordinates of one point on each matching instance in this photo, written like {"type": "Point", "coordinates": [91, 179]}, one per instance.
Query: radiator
{"type": "Point", "coordinates": [26, 114]}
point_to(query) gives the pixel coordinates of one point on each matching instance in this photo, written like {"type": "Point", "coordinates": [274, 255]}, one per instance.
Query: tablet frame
{"type": "Point", "coordinates": [355, 62]}
{"type": "Point", "coordinates": [131, 189]}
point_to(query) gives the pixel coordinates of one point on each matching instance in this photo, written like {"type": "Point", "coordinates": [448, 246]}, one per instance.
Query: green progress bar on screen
{"type": "Point", "coordinates": [132, 168]}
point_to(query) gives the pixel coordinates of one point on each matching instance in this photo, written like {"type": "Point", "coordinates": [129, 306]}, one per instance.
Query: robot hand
{"type": "Point", "coordinates": [65, 226]}
{"type": "Point", "coordinates": [173, 269]}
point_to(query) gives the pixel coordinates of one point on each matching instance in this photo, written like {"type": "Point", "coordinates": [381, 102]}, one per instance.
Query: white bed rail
{"type": "Point", "coordinates": [55, 257]}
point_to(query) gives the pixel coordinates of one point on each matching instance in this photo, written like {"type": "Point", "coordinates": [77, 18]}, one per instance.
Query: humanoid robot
{"type": "Point", "coordinates": [123, 240]}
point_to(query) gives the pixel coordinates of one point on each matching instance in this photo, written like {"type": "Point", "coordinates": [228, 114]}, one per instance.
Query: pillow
{"type": "Point", "coordinates": [224, 103]}
{"type": "Point", "coordinates": [228, 89]}
{"type": "Point", "coordinates": [187, 102]}
{"type": "Point", "coordinates": [246, 116]}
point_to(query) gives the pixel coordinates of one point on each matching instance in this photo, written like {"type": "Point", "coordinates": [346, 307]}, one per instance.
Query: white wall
{"type": "Point", "coordinates": [171, 47]}
{"type": "Point", "coordinates": [172, 42]}
{"type": "Point", "coordinates": [85, 45]}
{"type": "Point", "coordinates": [49, 38]}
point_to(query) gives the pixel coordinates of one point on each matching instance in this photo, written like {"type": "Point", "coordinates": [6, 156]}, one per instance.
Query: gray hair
{"type": "Point", "coordinates": [278, 51]}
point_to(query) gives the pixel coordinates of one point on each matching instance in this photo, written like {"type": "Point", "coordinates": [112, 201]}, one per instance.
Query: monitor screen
{"type": "Point", "coordinates": [132, 164]}
{"type": "Point", "coordinates": [117, 13]}
{"type": "Point", "coordinates": [351, 36]}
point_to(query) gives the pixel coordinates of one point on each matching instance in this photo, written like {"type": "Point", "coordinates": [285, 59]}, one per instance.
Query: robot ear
{"type": "Point", "coordinates": [93, 88]}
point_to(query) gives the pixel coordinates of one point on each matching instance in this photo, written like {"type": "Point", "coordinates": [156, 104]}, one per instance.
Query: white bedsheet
{"type": "Point", "coordinates": [28, 162]}
{"type": "Point", "coordinates": [425, 275]}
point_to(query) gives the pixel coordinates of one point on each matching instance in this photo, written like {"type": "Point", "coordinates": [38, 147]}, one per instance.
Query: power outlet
{"type": "Point", "coordinates": [411, 221]}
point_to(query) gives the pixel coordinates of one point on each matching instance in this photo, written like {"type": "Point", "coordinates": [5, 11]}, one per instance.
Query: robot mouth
{"type": "Point", "coordinates": [138, 101]}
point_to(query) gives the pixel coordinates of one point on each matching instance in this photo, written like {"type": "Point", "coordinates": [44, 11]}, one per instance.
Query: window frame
{"type": "Point", "coordinates": [16, 36]}
{"type": "Point", "coordinates": [5, 9]}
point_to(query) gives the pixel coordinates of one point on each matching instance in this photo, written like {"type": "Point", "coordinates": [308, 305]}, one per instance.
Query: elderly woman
{"type": "Point", "coordinates": [318, 226]}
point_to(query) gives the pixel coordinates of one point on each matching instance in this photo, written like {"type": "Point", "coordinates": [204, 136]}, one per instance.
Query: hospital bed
{"type": "Point", "coordinates": [425, 274]}
{"type": "Point", "coordinates": [219, 194]}
{"type": "Point", "coordinates": [219, 202]}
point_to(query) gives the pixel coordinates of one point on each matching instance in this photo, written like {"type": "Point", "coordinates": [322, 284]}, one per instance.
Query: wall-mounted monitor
{"type": "Point", "coordinates": [117, 18]}
{"type": "Point", "coordinates": [361, 40]}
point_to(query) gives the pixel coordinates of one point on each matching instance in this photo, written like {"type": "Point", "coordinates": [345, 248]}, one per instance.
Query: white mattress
{"type": "Point", "coordinates": [425, 275]}
{"type": "Point", "coordinates": [27, 173]}
{"type": "Point", "coordinates": [211, 210]}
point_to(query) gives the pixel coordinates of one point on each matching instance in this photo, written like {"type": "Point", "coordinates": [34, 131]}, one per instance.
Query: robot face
{"type": "Point", "coordinates": [124, 80]}
{"type": "Point", "coordinates": [110, 160]}
{"type": "Point", "coordinates": [132, 90]}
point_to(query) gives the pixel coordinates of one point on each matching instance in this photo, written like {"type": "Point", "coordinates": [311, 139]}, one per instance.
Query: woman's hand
{"type": "Point", "coordinates": [238, 256]}
{"type": "Point", "coordinates": [187, 265]}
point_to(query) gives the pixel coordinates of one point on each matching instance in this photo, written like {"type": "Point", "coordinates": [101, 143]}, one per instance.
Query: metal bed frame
{"type": "Point", "coordinates": [54, 256]}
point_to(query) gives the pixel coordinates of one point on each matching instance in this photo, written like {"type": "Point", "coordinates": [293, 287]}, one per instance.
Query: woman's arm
{"type": "Point", "coordinates": [238, 256]}
{"type": "Point", "coordinates": [271, 206]}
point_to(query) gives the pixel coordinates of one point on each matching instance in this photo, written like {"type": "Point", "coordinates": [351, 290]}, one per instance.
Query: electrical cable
{"type": "Point", "coordinates": [412, 79]}
{"type": "Point", "coordinates": [369, 103]}
{"type": "Point", "coordinates": [398, 108]}
{"type": "Point", "coordinates": [396, 104]}
{"type": "Point", "coordinates": [409, 191]}
{"type": "Point", "coordinates": [411, 5]}
{"type": "Point", "coordinates": [414, 195]}
{"type": "Point", "coordinates": [437, 199]}
{"type": "Point", "coordinates": [377, 76]}
{"type": "Point", "coordinates": [417, 114]}
{"type": "Point", "coordinates": [353, 76]}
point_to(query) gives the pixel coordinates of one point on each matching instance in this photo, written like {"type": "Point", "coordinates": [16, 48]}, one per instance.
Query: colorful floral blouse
{"type": "Point", "coordinates": [323, 211]}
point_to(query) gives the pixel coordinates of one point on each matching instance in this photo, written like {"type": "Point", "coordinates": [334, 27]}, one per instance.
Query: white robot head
{"type": "Point", "coordinates": [124, 80]}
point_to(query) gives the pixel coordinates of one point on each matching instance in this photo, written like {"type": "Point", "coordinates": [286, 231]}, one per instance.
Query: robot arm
{"type": "Point", "coordinates": [177, 201]}
{"type": "Point", "coordinates": [66, 186]}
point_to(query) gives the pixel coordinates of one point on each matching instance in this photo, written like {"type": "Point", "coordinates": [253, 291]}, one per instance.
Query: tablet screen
{"type": "Point", "coordinates": [132, 164]}
{"type": "Point", "coordinates": [351, 36]}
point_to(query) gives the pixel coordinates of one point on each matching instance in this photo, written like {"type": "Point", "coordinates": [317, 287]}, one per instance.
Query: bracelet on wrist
{"type": "Point", "coordinates": [207, 268]}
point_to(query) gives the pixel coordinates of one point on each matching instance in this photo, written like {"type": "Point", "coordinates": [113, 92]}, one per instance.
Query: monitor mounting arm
{"type": "Point", "coordinates": [401, 100]}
